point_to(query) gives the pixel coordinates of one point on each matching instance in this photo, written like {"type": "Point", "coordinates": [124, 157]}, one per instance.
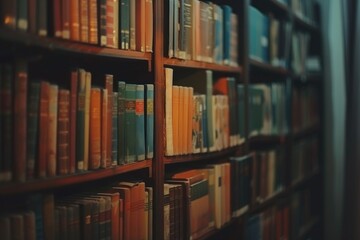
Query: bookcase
{"type": "Point", "coordinates": [264, 132]}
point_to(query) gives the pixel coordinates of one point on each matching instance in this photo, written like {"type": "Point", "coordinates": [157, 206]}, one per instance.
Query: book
{"type": "Point", "coordinates": [52, 132]}
{"type": "Point", "coordinates": [87, 119]}
{"type": "Point", "coordinates": [102, 22]}
{"type": "Point", "coordinates": [150, 192]}
{"type": "Point", "coordinates": [65, 19]}
{"type": "Point", "coordinates": [95, 129]}
{"type": "Point", "coordinates": [48, 215]}
{"type": "Point", "coordinates": [109, 79]}
{"type": "Point", "coordinates": [149, 110]}
{"type": "Point", "coordinates": [9, 14]}
{"type": "Point", "coordinates": [134, 23]}
{"type": "Point", "coordinates": [32, 20]}
{"type": "Point", "coordinates": [73, 120]}
{"type": "Point", "coordinates": [112, 25]}
{"type": "Point", "coordinates": [169, 150]}
{"type": "Point", "coordinates": [84, 20]}
{"type": "Point", "coordinates": [104, 128]}
{"type": "Point", "coordinates": [130, 123]}
{"type": "Point", "coordinates": [140, 122]}
{"type": "Point", "coordinates": [115, 131]}
{"type": "Point", "coordinates": [17, 226]}
{"type": "Point", "coordinates": [149, 25]}
{"type": "Point", "coordinates": [175, 117]}
{"type": "Point", "coordinates": [63, 139]}
{"type": "Point", "coordinates": [22, 15]}
{"type": "Point", "coordinates": [140, 25]}
{"type": "Point", "coordinates": [121, 122]}
{"type": "Point", "coordinates": [125, 24]}
{"type": "Point", "coordinates": [93, 22]}
{"type": "Point", "coordinates": [114, 197]}
{"type": "Point", "coordinates": [80, 121]}
{"type": "Point", "coordinates": [75, 20]}
{"type": "Point", "coordinates": [227, 33]}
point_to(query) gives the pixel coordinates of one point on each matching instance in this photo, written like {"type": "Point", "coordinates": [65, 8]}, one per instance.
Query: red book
{"type": "Point", "coordinates": [20, 103]}
{"type": "Point", "coordinates": [43, 130]}
{"type": "Point", "coordinates": [93, 22]}
{"type": "Point", "coordinates": [57, 15]}
{"type": "Point", "coordinates": [63, 132]}
{"type": "Point", "coordinates": [65, 19]}
{"type": "Point", "coordinates": [84, 21]}
{"type": "Point", "coordinates": [32, 28]}
{"type": "Point", "coordinates": [73, 109]}
{"type": "Point", "coordinates": [95, 128]}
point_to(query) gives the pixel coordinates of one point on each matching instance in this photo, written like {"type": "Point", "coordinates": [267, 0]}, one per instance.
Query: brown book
{"type": "Point", "coordinates": [52, 132]}
{"type": "Point", "coordinates": [189, 120]}
{"type": "Point", "coordinates": [104, 128]}
{"type": "Point", "coordinates": [95, 128]}
{"type": "Point", "coordinates": [57, 15]}
{"type": "Point", "coordinates": [44, 128]}
{"type": "Point", "coordinates": [74, 20]}
{"type": "Point", "coordinates": [29, 226]}
{"type": "Point", "coordinates": [65, 19]}
{"type": "Point", "coordinates": [48, 216]}
{"type": "Point", "coordinates": [93, 22]}
{"type": "Point", "coordinates": [112, 23]}
{"type": "Point", "coordinates": [185, 114]}
{"type": "Point", "coordinates": [193, 175]}
{"type": "Point", "coordinates": [32, 11]}
{"type": "Point", "coordinates": [73, 110]}
{"type": "Point", "coordinates": [5, 230]}
{"type": "Point", "coordinates": [227, 196]}
{"type": "Point", "coordinates": [149, 29]}
{"type": "Point", "coordinates": [121, 219]}
{"type": "Point", "coordinates": [8, 14]}
{"type": "Point", "coordinates": [140, 25]}
{"type": "Point", "coordinates": [109, 79]}
{"type": "Point", "coordinates": [125, 195]}
{"type": "Point", "coordinates": [17, 226]}
{"type": "Point", "coordinates": [115, 211]}
{"type": "Point", "coordinates": [84, 21]}
{"type": "Point", "coordinates": [87, 119]}
{"type": "Point", "coordinates": [63, 132]}
{"type": "Point", "coordinates": [20, 103]}
{"type": "Point", "coordinates": [175, 117]}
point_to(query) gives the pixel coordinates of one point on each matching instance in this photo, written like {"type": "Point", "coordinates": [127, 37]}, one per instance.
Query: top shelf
{"type": "Point", "coordinates": [173, 62]}
{"type": "Point", "coordinates": [67, 46]}
{"type": "Point", "coordinates": [267, 68]}
{"type": "Point", "coordinates": [272, 6]}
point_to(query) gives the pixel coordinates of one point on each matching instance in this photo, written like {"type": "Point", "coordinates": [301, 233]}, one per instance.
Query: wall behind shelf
{"type": "Point", "coordinates": [334, 116]}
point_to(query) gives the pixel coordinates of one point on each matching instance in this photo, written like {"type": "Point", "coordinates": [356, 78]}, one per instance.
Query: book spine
{"type": "Point", "coordinates": [87, 119]}
{"type": "Point", "coordinates": [84, 21]}
{"type": "Point", "coordinates": [149, 121]}
{"type": "Point", "coordinates": [209, 109]}
{"type": "Point", "coordinates": [140, 25]}
{"type": "Point", "coordinates": [112, 25]}
{"type": "Point", "coordinates": [149, 29]}
{"type": "Point", "coordinates": [22, 15]}
{"type": "Point", "coordinates": [42, 17]}
{"type": "Point", "coordinates": [140, 123]}
{"type": "Point", "coordinates": [57, 17]}
{"type": "Point", "coordinates": [130, 123]}
{"type": "Point", "coordinates": [52, 132]}
{"type": "Point", "coordinates": [29, 225]}
{"type": "Point", "coordinates": [73, 113]}
{"type": "Point", "coordinates": [134, 23]}
{"type": "Point", "coordinates": [74, 20]}
{"type": "Point", "coordinates": [126, 18]}
{"type": "Point", "coordinates": [115, 131]}
{"type": "Point", "coordinates": [63, 132]}
{"type": "Point", "coordinates": [109, 79]}
{"type": "Point", "coordinates": [227, 33]}
{"type": "Point", "coordinates": [121, 219]}
{"type": "Point", "coordinates": [48, 216]}
{"type": "Point", "coordinates": [65, 19]}
{"type": "Point", "coordinates": [121, 122]}
{"type": "Point", "coordinates": [17, 226]}
{"type": "Point", "coordinates": [93, 22]}
{"type": "Point", "coordinates": [170, 20]}
{"type": "Point", "coordinates": [20, 110]}
{"type": "Point", "coordinates": [104, 115]}
{"type": "Point", "coordinates": [43, 130]}
{"type": "Point", "coordinates": [80, 121]}
{"type": "Point", "coordinates": [95, 129]}
{"type": "Point", "coordinates": [6, 121]}
{"type": "Point", "coordinates": [123, 23]}
{"type": "Point", "coordinates": [168, 111]}
{"type": "Point", "coordinates": [102, 22]}
{"type": "Point", "coordinates": [32, 12]}
{"type": "Point", "coordinates": [8, 14]}
{"type": "Point", "coordinates": [187, 32]}
{"type": "Point", "coordinates": [175, 117]}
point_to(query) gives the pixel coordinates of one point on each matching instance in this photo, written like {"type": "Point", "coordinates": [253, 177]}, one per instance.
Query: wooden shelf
{"type": "Point", "coordinates": [267, 68]}
{"type": "Point", "coordinates": [258, 207]}
{"type": "Point", "coordinates": [201, 156]}
{"type": "Point", "coordinates": [305, 180]}
{"type": "Point", "coordinates": [272, 6]}
{"type": "Point", "coordinates": [268, 140]}
{"type": "Point", "coordinates": [304, 24]}
{"type": "Point", "coordinates": [306, 132]}
{"type": "Point", "coordinates": [173, 62]}
{"type": "Point", "coordinates": [62, 181]}
{"type": "Point", "coordinates": [67, 46]}
{"type": "Point", "coordinates": [308, 78]}
{"type": "Point", "coordinates": [308, 227]}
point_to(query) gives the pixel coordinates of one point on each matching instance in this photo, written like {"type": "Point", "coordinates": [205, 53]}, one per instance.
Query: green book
{"type": "Point", "coordinates": [149, 107]}
{"type": "Point", "coordinates": [140, 123]}
{"type": "Point", "coordinates": [130, 123]}
{"type": "Point", "coordinates": [256, 99]}
{"type": "Point", "coordinates": [121, 122]}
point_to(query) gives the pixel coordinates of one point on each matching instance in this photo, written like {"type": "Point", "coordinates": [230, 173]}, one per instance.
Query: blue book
{"type": "Point", "coordinates": [265, 38]}
{"type": "Point", "coordinates": [254, 33]}
{"type": "Point", "coordinates": [114, 146]}
{"type": "Point", "coordinates": [130, 123]}
{"type": "Point", "coordinates": [218, 34]}
{"type": "Point", "coordinates": [227, 33]}
{"type": "Point", "coordinates": [35, 204]}
{"type": "Point", "coordinates": [121, 122]}
{"type": "Point", "coordinates": [149, 107]}
{"type": "Point", "coordinates": [241, 110]}
{"type": "Point", "coordinates": [140, 122]}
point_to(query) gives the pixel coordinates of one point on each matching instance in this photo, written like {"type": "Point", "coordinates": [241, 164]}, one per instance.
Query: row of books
{"type": "Point", "coordinates": [121, 24]}
{"type": "Point", "coordinates": [272, 223]}
{"type": "Point", "coordinates": [305, 108]}
{"type": "Point", "coordinates": [123, 211]}
{"type": "Point", "coordinates": [202, 31]}
{"type": "Point", "coordinates": [47, 130]}
{"type": "Point", "coordinates": [300, 52]}
{"type": "Point", "coordinates": [304, 9]}
{"type": "Point", "coordinates": [305, 159]}
{"type": "Point", "coordinates": [268, 174]}
{"type": "Point", "coordinates": [269, 109]}
{"type": "Point", "coordinates": [201, 115]}
{"type": "Point", "coordinates": [269, 38]}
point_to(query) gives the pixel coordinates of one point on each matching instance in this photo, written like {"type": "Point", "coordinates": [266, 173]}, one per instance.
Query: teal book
{"type": "Point", "coordinates": [22, 15]}
{"type": "Point", "coordinates": [130, 123]}
{"type": "Point", "coordinates": [6, 121]}
{"type": "Point", "coordinates": [241, 110]}
{"type": "Point", "coordinates": [149, 110]}
{"type": "Point", "coordinates": [114, 147]}
{"type": "Point", "coordinates": [121, 122]}
{"type": "Point", "coordinates": [32, 130]}
{"type": "Point", "coordinates": [218, 34]}
{"type": "Point", "coordinates": [80, 121]}
{"type": "Point", "coordinates": [227, 33]}
{"type": "Point", "coordinates": [256, 112]}
{"type": "Point", "coordinates": [140, 122]}
{"type": "Point", "coordinates": [124, 24]}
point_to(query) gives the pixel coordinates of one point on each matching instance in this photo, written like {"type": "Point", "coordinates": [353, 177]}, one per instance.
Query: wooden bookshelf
{"type": "Point", "coordinates": [308, 227]}
{"type": "Point", "coordinates": [256, 65]}
{"type": "Point", "coordinates": [267, 140]}
{"type": "Point", "coordinates": [67, 180]}
{"type": "Point", "coordinates": [270, 201]}
{"type": "Point", "coordinates": [305, 25]}
{"type": "Point", "coordinates": [272, 6]}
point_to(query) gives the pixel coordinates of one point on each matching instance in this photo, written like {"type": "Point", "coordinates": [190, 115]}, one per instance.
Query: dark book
{"type": "Point", "coordinates": [63, 231]}
{"type": "Point", "coordinates": [102, 22]}
{"type": "Point", "coordinates": [5, 231]}
{"type": "Point", "coordinates": [109, 81]}
{"type": "Point", "coordinates": [65, 19]}
{"type": "Point", "coordinates": [29, 225]}
{"type": "Point", "coordinates": [140, 123]}
{"type": "Point", "coordinates": [227, 33]}
{"type": "Point", "coordinates": [121, 122]}
{"type": "Point", "coordinates": [149, 111]}
{"type": "Point", "coordinates": [17, 226]}
{"type": "Point", "coordinates": [32, 130]}
{"type": "Point", "coordinates": [112, 199]}
{"type": "Point", "coordinates": [115, 131]}
{"type": "Point", "coordinates": [80, 121]}
{"type": "Point", "coordinates": [63, 134]}
{"type": "Point", "coordinates": [124, 24]}
{"type": "Point", "coordinates": [130, 123]}
{"type": "Point", "coordinates": [84, 21]}
{"type": "Point", "coordinates": [187, 29]}
{"type": "Point", "coordinates": [48, 216]}
{"type": "Point", "coordinates": [6, 122]}
{"type": "Point", "coordinates": [32, 19]}
{"type": "Point", "coordinates": [8, 14]}
{"type": "Point", "coordinates": [20, 116]}
{"type": "Point", "coordinates": [57, 17]}
{"type": "Point", "coordinates": [35, 204]}
{"type": "Point", "coordinates": [22, 15]}
{"type": "Point", "coordinates": [42, 18]}
{"type": "Point", "coordinates": [73, 112]}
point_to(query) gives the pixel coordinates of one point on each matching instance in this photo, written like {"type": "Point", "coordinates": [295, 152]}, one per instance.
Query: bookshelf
{"type": "Point", "coordinates": [47, 55]}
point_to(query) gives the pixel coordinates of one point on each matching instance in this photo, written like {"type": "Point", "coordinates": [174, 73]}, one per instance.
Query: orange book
{"type": "Point", "coordinates": [193, 175]}
{"type": "Point", "coordinates": [63, 132]}
{"type": "Point", "coordinates": [104, 128]}
{"type": "Point", "coordinates": [20, 103]}
{"type": "Point", "coordinates": [175, 118]}
{"type": "Point", "coordinates": [93, 22]}
{"type": "Point", "coordinates": [149, 26]}
{"type": "Point", "coordinates": [43, 130]}
{"type": "Point", "coordinates": [74, 20]}
{"type": "Point", "coordinates": [109, 86]}
{"type": "Point", "coordinates": [125, 195]}
{"type": "Point", "coordinates": [95, 129]}
{"type": "Point", "coordinates": [52, 132]}
{"type": "Point", "coordinates": [181, 119]}
{"type": "Point", "coordinates": [84, 21]}
{"type": "Point", "coordinates": [65, 19]}
{"type": "Point", "coordinates": [140, 25]}
{"type": "Point", "coordinates": [190, 117]}
{"type": "Point", "coordinates": [185, 114]}
{"type": "Point", "coordinates": [87, 119]}
{"type": "Point", "coordinates": [121, 219]}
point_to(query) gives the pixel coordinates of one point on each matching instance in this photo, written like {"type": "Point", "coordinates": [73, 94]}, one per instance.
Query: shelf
{"type": "Point", "coordinates": [61, 181]}
{"type": "Point", "coordinates": [262, 140]}
{"type": "Point", "coordinates": [173, 62]}
{"type": "Point", "coordinates": [273, 6]}
{"type": "Point", "coordinates": [213, 230]}
{"type": "Point", "coordinates": [305, 24]}
{"type": "Point", "coordinates": [306, 132]}
{"type": "Point", "coordinates": [308, 227]}
{"type": "Point", "coordinates": [201, 156]}
{"type": "Point", "coordinates": [267, 68]}
{"type": "Point", "coordinates": [67, 46]}
{"type": "Point", "coordinates": [268, 202]}
{"type": "Point", "coordinates": [305, 180]}
{"type": "Point", "coordinates": [308, 78]}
